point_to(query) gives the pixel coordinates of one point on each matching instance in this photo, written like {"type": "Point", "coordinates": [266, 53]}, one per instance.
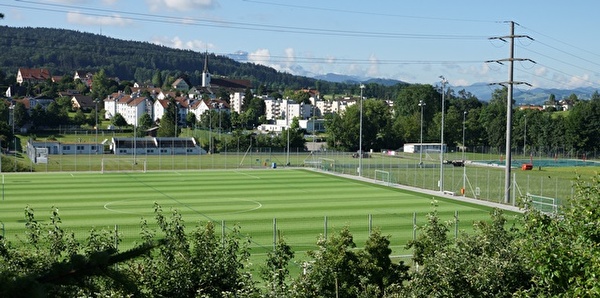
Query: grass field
{"type": "Point", "coordinates": [295, 202]}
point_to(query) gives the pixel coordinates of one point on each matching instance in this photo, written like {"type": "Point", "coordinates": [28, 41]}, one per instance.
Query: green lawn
{"type": "Point", "coordinates": [295, 202]}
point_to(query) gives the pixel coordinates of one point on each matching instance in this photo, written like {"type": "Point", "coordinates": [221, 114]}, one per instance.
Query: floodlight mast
{"type": "Point", "coordinates": [444, 82]}
{"type": "Point", "coordinates": [421, 104]}
{"type": "Point", "coordinates": [360, 151]}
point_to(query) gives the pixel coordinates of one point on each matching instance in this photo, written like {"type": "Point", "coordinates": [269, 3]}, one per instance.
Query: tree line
{"type": "Point", "coordinates": [389, 126]}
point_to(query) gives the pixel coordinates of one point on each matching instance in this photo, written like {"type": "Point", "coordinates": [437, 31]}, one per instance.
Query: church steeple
{"type": "Point", "coordinates": [205, 73]}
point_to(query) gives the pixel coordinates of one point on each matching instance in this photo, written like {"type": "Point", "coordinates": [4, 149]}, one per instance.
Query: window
{"type": "Point", "coordinates": [190, 150]}
{"type": "Point", "coordinates": [66, 148]}
{"type": "Point", "coordinates": [163, 150]}
{"type": "Point", "coordinates": [150, 151]}
{"type": "Point", "coordinates": [79, 147]}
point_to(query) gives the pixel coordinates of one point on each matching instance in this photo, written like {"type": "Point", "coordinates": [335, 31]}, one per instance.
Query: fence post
{"type": "Point", "coordinates": [325, 227]}
{"type": "Point", "coordinates": [117, 237]}
{"type": "Point", "coordinates": [274, 233]}
{"type": "Point", "coordinates": [414, 236]}
{"type": "Point", "coordinates": [455, 224]}
{"type": "Point", "coordinates": [223, 233]}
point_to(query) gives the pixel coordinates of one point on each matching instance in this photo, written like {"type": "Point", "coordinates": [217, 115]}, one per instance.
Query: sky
{"type": "Point", "coordinates": [412, 41]}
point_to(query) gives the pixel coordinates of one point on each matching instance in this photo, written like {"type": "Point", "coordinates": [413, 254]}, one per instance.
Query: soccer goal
{"type": "Point", "coordinates": [383, 176]}
{"type": "Point", "coordinates": [123, 165]}
{"type": "Point", "coordinates": [326, 164]}
{"type": "Point", "coordinates": [543, 204]}
{"type": "Point", "coordinates": [434, 152]}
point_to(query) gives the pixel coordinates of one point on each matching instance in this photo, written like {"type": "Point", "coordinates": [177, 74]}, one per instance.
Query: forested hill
{"type": "Point", "coordinates": [65, 51]}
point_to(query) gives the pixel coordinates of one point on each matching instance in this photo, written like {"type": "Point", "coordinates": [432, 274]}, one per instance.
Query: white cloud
{"type": "Point", "coordinates": [290, 57]}
{"type": "Point", "coordinates": [541, 71]}
{"type": "Point", "coordinates": [81, 19]}
{"type": "Point", "coordinates": [373, 70]}
{"type": "Point", "coordinates": [177, 43]}
{"type": "Point", "coordinates": [260, 56]}
{"type": "Point", "coordinates": [579, 81]}
{"type": "Point", "coordinates": [461, 82]}
{"type": "Point", "coordinates": [181, 5]}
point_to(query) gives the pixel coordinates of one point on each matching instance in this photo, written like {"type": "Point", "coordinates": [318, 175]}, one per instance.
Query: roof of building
{"type": "Point", "coordinates": [34, 73]}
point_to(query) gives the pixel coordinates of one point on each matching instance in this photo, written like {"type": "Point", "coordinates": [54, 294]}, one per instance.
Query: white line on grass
{"type": "Point", "coordinates": [247, 175]}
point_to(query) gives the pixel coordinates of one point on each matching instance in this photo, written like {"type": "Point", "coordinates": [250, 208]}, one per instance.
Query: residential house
{"type": "Point", "coordinates": [159, 107]}
{"type": "Point", "coordinates": [82, 102]}
{"type": "Point", "coordinates": [110, 103]}
{"type": "Point", "coordinates": [85, 77]}
{"type": "Point", "coordinates": [199, 107]}
{"type": "Point", "coordinates": [32, 75]}
{"type": "Point", "coordinates": [180, 84]}
{"type": "Point", "coordinates": [236, 100]}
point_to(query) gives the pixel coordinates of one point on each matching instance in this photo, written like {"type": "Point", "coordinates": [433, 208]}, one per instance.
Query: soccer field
{"type": "Point", "coordinates": [301, 204]}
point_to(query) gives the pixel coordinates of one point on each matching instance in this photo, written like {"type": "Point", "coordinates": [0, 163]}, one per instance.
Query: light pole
{"type": "Point", "coordinates": [135, 135]}
{"type": "Point", "coordinates": [421, 104]}
{"type": "Point", "coordinates": [444, 82]}
{"type": "Point", "coordinates": [525, 137]}
{"type": "Point", "coordinates": [463, 142]}
{"type": "Point", "coordinates": [463, 155]}
{"type": "Point", "coordinates": [360, 151]}
{"type": "Point", "coordinates": [96, 102]}
{"type": "Point", "coordinates": [287, 118]}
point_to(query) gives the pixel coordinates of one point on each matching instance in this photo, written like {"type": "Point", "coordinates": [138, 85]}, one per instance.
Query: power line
{"type": "Point", "coordinates": [366, 12]}
{"type": "Point", "coordinates": [238, 25]}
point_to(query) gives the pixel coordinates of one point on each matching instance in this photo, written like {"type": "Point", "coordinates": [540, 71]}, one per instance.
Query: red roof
{"type": "Point", "coordinates": [34, 74]}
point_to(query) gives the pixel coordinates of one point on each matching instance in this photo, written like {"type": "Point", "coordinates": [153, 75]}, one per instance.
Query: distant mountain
{"type": "Point", "coordinates": [537, 96]}
{"type": "Point", "coordinates": [339, 78]}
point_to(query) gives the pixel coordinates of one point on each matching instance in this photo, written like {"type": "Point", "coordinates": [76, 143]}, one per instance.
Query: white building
{"type": "Point", "coordinates": [424, 147]}
{"type": "Point", "coordinates": [236, 100]}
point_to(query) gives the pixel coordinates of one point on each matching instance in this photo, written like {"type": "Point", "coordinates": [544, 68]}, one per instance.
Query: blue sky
{"type": "Point", "coordinates": [412, 41]}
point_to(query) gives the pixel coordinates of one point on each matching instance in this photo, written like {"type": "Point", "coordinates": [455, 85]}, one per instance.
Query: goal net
{"type": "Point", "coordinates": [435, 152]}
{"type": "Point", "coordinates": [123, 165]}
{"type": "Point", "coordinates": [383, 176]}
{"type": "Point", "coordinates": [543, 204]}
{"type": "Point", "coordinates": [326, 164]}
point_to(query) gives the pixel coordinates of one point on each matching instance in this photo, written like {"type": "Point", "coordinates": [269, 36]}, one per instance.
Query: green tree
{"type": "Point", "coordinates": [51, 262]}
{"type": "Point", "coordinates": [167, 126]}
{"type": "Point", "coordinates": [118, 120]}
{"type": "Point", "coordinates": [493, 118]}
{"type": "Point", "coordinates": [100, 85]}
{"type": "Point", "coordinates": [79, 118]}
{"type": "Point", "coordinates": [199, 265]}
{"type": "Point", "coordinates": [275, 273]}
{"type": "Point", "coordinates": [190, 119]}
{"type": "Point", "coordinates": [20, 115]}
{"type": "Point", "coordinates": [563, 250]}
{"type": "Point", "coordinates": [157, 80]}
{"type": "Point", "coordinates": [485, 263]}
{"type": "Point", "coordinates": [334, 271]}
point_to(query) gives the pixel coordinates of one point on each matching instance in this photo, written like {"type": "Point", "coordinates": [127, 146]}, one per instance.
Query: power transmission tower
{"type": "Point", "coordinates": [509, 84]}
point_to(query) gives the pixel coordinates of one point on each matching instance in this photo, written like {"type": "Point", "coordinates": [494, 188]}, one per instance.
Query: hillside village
{"type": "Point", "coordinates": [197, 100]}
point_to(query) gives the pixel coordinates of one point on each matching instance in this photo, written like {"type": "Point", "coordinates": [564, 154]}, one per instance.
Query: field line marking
{"type": "Point", "coordinates": [256, 177]}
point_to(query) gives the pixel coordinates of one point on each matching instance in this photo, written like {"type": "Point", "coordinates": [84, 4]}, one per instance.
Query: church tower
{"type": "Point", "coordinates": [205, 73]}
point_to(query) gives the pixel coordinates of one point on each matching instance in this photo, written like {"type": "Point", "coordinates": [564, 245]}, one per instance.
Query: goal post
{"type": "Point", "coordinates": [543, 204]}
{"type": "Point", "coordinates": [326, 164]}
{"type": "Point", "coordinates": [383, 176]}
{"type": "Point", "coordinates": [123, 165]}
